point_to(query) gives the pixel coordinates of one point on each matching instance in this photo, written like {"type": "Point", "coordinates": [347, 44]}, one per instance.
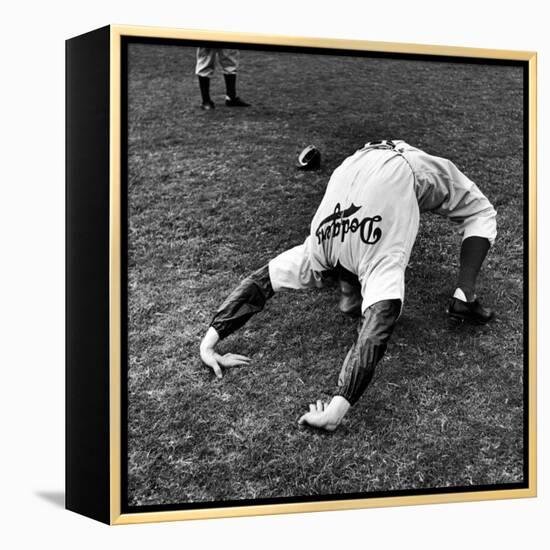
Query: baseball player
{"type": "Point", "coordinates": [229, 62]}
{"type": "Point", "coordinates": [363, 233]}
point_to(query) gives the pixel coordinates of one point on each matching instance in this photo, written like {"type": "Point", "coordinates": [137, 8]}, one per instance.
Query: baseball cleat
{"type": "Point", "coordinates": [470, 312]}
{"type": "Point", "coordinates": [235, 102]}
{"type": "Point", "coordinates": [207, 106]}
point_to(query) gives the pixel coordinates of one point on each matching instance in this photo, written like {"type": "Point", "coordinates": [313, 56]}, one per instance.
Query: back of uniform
{"type": "Point", "coordinates": [368, 219]}
{"type": "Point", "coordinates": [367, 222]}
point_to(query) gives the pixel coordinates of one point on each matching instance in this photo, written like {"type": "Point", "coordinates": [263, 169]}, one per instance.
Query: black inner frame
{"type": "Point", "coordinates": [125, 508]}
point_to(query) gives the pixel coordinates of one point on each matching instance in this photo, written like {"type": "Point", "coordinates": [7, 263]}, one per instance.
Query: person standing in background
{"type": "Point", "coordinates": [229, 62]}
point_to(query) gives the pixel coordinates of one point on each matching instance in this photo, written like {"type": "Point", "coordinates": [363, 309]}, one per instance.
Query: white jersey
{"type": "Point", "coordinates": [368, 219]}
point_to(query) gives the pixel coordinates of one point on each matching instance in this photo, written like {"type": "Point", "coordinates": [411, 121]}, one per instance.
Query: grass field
{"type": "Point", "coordinates": [213, 195]}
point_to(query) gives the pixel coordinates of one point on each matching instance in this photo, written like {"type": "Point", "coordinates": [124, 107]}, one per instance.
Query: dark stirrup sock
{"type": "Point", "coordinates": [472, 254]}
{"type": "Point", "coordinates": [230, 85]}
{"type": "Point", "coordinates": [204, 85]}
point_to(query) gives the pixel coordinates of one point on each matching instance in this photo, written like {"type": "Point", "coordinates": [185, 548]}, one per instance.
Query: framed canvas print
{"type": "Point", "coordinates": [300, 274]}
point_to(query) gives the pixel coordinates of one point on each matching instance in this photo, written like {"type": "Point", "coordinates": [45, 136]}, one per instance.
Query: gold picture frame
{"type": "Point", "coordinates": [110, 436]}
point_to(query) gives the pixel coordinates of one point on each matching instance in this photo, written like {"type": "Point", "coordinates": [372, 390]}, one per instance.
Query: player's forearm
{"type": "Point", "coordinates": [360, 363]}
{"type": "Point", "coordinates": [246, 300]}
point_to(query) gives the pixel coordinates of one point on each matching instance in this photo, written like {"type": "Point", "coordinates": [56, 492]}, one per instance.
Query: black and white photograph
{"type": "Point", "coordinates": [326, 272]}
{"type": "Point", "coordinates": [274, 275]}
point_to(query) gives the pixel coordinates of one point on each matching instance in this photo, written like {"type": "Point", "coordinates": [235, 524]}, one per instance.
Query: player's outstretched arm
{"type": "Point", "coordinates": [359, 365]}
{"type": "Point", "coordinates": [246, 300]}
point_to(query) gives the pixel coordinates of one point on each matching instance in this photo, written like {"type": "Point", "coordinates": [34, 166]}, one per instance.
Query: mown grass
{"type": "Point", "coordinates": [214, 195]}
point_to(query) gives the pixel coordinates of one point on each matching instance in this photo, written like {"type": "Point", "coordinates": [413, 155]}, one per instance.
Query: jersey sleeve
{"type": "Point", "coordinates": [362, 358]}
{"type": "Point", "coordinates": [246, 300]}
{"type": "Point", "coordinates": [293, 269]}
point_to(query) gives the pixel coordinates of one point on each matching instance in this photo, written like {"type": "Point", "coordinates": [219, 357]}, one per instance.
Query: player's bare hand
{"type": "Point", "coordinates": [210, 358]}
{"type": "Point", "coordinates": [318, 417]}
{"type": "Point", "coordinates": [207, 351]}
{"type": "Point", "coordinates": [216, 361]}
{"type": "Point", "coordinates": [326, 416]}
{"type": "Point", "coordinates": [233, 360]}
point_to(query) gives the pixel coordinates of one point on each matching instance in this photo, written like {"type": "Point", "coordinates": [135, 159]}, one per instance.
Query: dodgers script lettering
{"type": "Point", "coordinates": [340, 223]}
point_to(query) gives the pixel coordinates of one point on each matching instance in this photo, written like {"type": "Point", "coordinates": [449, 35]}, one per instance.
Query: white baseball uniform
{"type": "Point", "coordinates": [206, 61]}
{"type": "Point", "coordinates": [369, 216]}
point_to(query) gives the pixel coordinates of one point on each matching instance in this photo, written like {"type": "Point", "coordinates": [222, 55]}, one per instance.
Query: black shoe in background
{"type": "Point", "coordinates": [207, 106]}
{"type": "Point", "coordinates": [236, 102]}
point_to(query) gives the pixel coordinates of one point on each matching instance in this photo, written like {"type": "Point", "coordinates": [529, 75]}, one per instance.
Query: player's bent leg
{"type": "Point", "coordinates": [476, 217]}
{"type": "Point", "coordinates": [464, 306]}
{"type": "Point", "coordinates": [472, 255]}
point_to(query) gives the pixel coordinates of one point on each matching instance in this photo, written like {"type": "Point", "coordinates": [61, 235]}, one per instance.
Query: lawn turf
{"type": "Point", "coordinates": [214, 195]}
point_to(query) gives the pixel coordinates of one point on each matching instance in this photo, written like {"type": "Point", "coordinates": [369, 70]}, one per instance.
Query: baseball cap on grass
{"type": "Point", "coordinates": [309, 158]}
